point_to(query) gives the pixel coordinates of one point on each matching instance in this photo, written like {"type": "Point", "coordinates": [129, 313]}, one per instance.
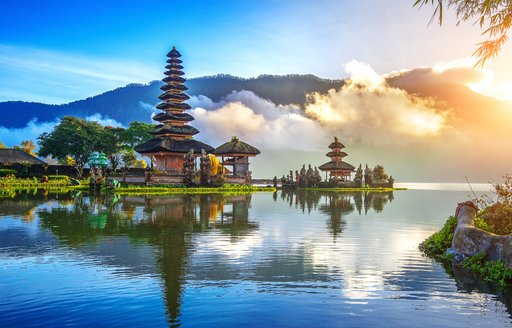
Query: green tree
{"type": "Point", "coordinates": [111, 144]}
{"type": "Point", "coordinates": [379, 174]}
{"type": "Point", "coordinates": [73, 137]}
{"type": "Point", "coordinates": [137, 133]}
{"type": "Point", "coordinates": [2, 145]}
{"type": "Point", "coordinates": [493, 16]}
{"type": "Point", "coordinates": [129, 157]}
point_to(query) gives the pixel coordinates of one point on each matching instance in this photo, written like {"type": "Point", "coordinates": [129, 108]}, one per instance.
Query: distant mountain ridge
{"type": "Point", "coordinates": [135, 102]}
{"type": "Point", "coordinates": [129, 103]}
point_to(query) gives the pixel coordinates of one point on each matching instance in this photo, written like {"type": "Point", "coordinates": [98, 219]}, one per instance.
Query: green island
{"type": "Point", "coordinates": [494, 218]}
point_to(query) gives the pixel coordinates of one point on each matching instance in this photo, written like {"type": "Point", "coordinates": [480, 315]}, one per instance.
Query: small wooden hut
{"type": "Point", "coordinates": [236, 153]}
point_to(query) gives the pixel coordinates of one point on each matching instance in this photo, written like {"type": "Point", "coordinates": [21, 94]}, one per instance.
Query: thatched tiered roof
{"type": "Point", "coordinates": [235, 147]}
{"type": "Point", "coordinates": [16, 156]}
{"type": "Point", "coordinates": [173, 134]}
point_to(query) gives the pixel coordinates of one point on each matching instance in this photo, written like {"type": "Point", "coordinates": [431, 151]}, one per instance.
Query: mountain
{"type": "Point", "coordinates": [134, 102]}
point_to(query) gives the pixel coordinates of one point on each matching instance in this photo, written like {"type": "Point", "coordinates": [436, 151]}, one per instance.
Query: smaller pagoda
{"type": "Point", "coordinates": [236, 153]}
{"type": "Point", "coordinates": [337, 168]}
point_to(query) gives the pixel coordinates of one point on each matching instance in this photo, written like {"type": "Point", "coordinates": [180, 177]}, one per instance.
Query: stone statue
{"type": "Point", "coordinates": [358, 178]}
{"type": "Point", "coordinates": [189, 164]}
{"type": "Point", "coordinates": [205, 168]}
{"type": "Point", "coordinates": [368, 176]}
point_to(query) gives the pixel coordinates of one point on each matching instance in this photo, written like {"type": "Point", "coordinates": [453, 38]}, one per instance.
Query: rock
{"type": "Point", "coordinates": [468, 240]}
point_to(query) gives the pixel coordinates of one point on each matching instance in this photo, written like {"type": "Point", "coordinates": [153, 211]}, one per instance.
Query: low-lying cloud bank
{"type": "Point", "coordinates": [34, 128]}
{"type": "Point", "coordinates": [257, 121]}
{"type": "Point", "coordinates": [365, 110]}
{"type": "Point", "coordinates": [368, 110]}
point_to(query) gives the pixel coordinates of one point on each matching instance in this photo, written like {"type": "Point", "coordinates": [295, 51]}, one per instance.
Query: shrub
{"type": "Point", "coordinates": [496, 271]}
{"type": "Point", "coordinates": [497, 213]}
{"type": "Point", "coordinates": [58, 177]}
{"type": "Point", "coordinates": [6, 172]}
{"type": "Point", "coordinates": [439, 242]}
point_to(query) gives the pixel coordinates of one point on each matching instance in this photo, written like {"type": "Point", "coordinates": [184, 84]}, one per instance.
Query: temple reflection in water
{"type": "Point", "coordinates": [180, 238]}
{"type": "Point", "coordinates": [164, 222]}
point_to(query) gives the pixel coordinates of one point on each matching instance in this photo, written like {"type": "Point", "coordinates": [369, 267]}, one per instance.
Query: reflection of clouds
{"type": "Point", "coordinates": [237, 248]}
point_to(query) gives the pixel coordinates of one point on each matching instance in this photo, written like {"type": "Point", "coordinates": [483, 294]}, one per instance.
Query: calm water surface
{"type": "Point", "coordinates": [285, 259]}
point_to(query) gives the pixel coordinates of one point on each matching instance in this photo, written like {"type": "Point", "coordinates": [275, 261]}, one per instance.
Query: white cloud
{"type": "Point", "coordinates": [366, 109]}
{"type": "Point", "coordinates": [104, 121]}
{"type": "Point", "coordinates": [256, 121]}
{"type": "Point", "coordinates": [14, 136]}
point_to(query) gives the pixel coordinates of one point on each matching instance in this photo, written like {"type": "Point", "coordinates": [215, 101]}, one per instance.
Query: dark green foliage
{"type": "Point", "coordinates": [495, 271]}
{"type": "Point", "coordinates": [72, 137]}
{"type": "Point", "coordinates": [137, 133]}
{"type": "Point", "coordinates": [78, 138]}
{"type": "Point", "coordinates": [6, 172]}
{"type": "Point", "coordinates": [379, 174]}
{"type": "Point", "coordinates": [439, 242]}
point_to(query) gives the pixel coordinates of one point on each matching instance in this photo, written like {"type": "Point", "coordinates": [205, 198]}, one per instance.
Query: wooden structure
{"type": "Point", "coordinates": [236, 153]}
{"type": "Point", "coordinates": [173, 136]}
{"type": "Point", "coordinates": [337, 168]}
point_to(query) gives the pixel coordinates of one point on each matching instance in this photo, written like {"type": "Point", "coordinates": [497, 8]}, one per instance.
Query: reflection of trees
{"type": "Point", "coordinates": [22, 203]}
{"type": "Point", "coordinates": [165, 222]}
{"type": "Point", "coordinates": [376, 201]}
{"type": "Point", "coordinates": [336, 203]}
{"type": "Point", "coordinates": [303, 199]}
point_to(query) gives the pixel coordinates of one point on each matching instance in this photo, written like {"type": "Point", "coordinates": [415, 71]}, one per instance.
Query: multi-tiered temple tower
{"type": "Point", "coordinates": [337, 168]}
{"type": "Point", "coordinates": [173, 136]}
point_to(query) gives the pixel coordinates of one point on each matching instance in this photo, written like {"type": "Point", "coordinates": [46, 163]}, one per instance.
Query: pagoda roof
{"type": "Point", "coordinates": [172, 146]}
{"type": "Point", "coordinates": [173, 72]}
{"type": "Point", "coordinates": [165, 116]}
{"type": "Point", "coordinates": [336, 144]}
{"type": "Point", "coordinates": [174, 96]}
{"type": "Point", "coordinates": [171, 105]}
{"type": "Point", "coordinates": [235, 146]}
{"type": "Point", "coordinates": [336, 154]}
{"type": "Point", "coordinates": [171, 78]}
{"type": "Point", "coordinates": [174, 61]}
{"type": "Point", "coordinates": [174, 66]}
{"type": "Point", "coordinates": [185, 130]}
{"type": "Point", "coordinates": [16, 156]}
{"type": "Point", "coordinates": [173, 53]}
{"type": "Point", "coordinates": [177, 87]}
{"type": "Point", "coordinates": [336, 166]}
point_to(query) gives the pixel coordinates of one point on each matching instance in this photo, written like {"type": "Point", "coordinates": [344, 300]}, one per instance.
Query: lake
{"type": "Point", "coordinates": [300, 259]}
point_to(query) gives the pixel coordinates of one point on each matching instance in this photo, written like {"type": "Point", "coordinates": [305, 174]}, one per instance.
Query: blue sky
{"type": "Point", "coordinates": [57, 51]}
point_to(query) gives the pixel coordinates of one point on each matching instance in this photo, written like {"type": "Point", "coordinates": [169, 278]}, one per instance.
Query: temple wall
{"type": "Point", "coordinates": [170, 162]}
{"type": "Point", "coordinates": [236, 180]}
{"type": "Point", "coordinates": [469, 240]}
{"type": "Point", "coordinates": [166, 179]}
{"type": "Point", "coordinates": [131, 179]}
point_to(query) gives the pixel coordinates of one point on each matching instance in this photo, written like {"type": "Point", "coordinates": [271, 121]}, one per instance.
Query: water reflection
{"type": "Point", "coordinates": [330, 249]}
{"type": "Point", "coordinates": [336, 205]}
{"type": "Point", "coordinates": [164, 222]}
